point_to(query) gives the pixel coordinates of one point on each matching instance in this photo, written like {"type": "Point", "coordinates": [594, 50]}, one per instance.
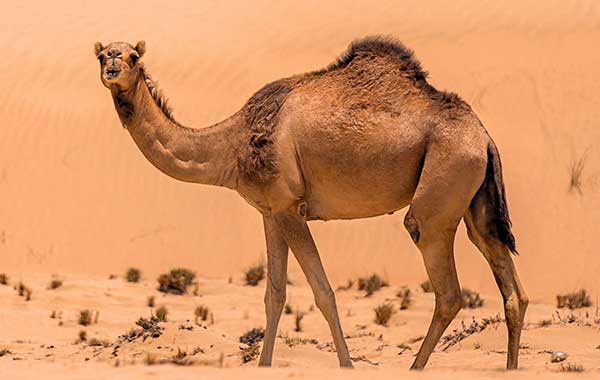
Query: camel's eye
{"type": "Point", "coordinates": [101, 58]}
{"type": "Point", "coordinates": [134, 58]}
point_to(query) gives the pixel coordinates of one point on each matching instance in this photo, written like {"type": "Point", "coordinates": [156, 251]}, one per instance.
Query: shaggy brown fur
{"type": "Point", "coordinates": [159, 98]}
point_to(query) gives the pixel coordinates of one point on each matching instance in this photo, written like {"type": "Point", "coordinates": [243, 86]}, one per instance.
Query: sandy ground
{"type": "Point", "coordinates": [78, 200]}
{"type": "Point", "coordinates": [39, 342]}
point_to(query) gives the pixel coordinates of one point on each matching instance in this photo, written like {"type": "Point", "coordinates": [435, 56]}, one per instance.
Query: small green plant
{"type": "Point", "coordinates": [426, 286]}
{"type": "Point", "coordinates": [201, 313]}
{"type": "Point", "coordinates": [255, 274]}
{"type": "Point", "coordinates": [150, 301]}
{"type": "Point", "coordinates": [575, 300]}
{"type": "Point", "coordinates": [3, 279]}
{"type": "Point", "coordinates": [161, 313]}
{"type": "Point", "coordinates": [85, 317]}
{"type": "Point", "coordinates": [371, 284]}
{"type": "Point", "coordinates": [298, 321]}
{"type": "Point", "coordinates": [471, 299]}
{"type": "Point", "coordinates": [249, 353]}
{"type": "Point", "coordinates": [383, 313]}
{"type": "Point", "coordinates": [55, 283]}
{"type": "Point", "coordinates": [176, 281]}
{"type": "Point", "coordinates": [288, 309]}
{"type": "Point", "coordinates": [133, 275]}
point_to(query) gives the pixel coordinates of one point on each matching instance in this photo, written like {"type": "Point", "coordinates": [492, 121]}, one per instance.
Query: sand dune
{"type": "Point", "coordinates": [78, 198]}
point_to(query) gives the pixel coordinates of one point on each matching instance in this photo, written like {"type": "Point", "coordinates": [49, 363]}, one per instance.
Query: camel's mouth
{"type": "Point", "coordinates": [112, 73]}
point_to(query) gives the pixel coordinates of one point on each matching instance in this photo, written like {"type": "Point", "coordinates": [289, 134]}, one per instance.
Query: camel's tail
{"type": "Point", "coordinates": [490, 201]}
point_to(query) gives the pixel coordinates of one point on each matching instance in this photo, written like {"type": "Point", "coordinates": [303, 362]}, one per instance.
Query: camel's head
{"type": "Point", "coordinates": [119, 63]}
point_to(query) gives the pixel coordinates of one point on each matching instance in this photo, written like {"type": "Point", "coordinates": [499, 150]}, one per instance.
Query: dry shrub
{"type": "Point", "coordinates": [55, 283]}
{"type": "Point", "coordinates": [458, 335]}
{"type": "Point", "coordinates": [3, 279]}
{"type": "Point", "coordinates": [371, 284]}
{"type": "Point", "coordinates": [576, 174]}
{"type": "Point", "coordinates": [348, 285]}
{"type": "Point", "coordinates": [255, 274]}
{"type": "Point", "coordinates": [249, 353]}
{"type": "Point", "coordinates": [150, 301]}
{"type": "Point", "coordinates": [298, 321]}
{"type": "Point", "coordinates": [24, 291]}
{"type": "Point", "coordinates": [545, 323]}
{"type": "Point", "coordinates": [253, 336]}
{"type": "Point", "coordinates": [471, 299]}
{"type": "Point", "coordinates": [571, 367]}
{"type": "Point", "coordinates": [288, 309]}
{"type": "Point", "coordinates": [295, 341]}
{"type": "Point", "coordinates": [426, 286]}
{"type": "Point", "coordinates": [81, 337]}
{"type": "Point", "coordinates": [176, 281]}
{"type": "Point", "coordinates": [95, 342]}
{"type": "Point", "coordinates": [405, 297]}
{"type": "Point", "coordinates": [133, 275]}
{"type": "Point", "coordinates": [573, 300]}
{"type": "Point", "coordinates": [201, 312]}
{"type": "Point", "coordinates": [161, 313]}
{"type": "Point", "coordinates": [4, 351]}
{"type": "Point", "coordinates": [85, 317]}
{"type": "Point", "coordinates": [383, 313]}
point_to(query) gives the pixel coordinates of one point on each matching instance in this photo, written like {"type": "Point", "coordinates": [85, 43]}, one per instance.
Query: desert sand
{"type": "Point", "coordinates": [79, 201]}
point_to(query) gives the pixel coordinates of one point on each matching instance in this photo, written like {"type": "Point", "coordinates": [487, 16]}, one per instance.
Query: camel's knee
{"type": "Point", "coordinates": [275, 298]}
{"type": "Point", "coordinates": [325, 301]}
{"type": "Point", "coordinates": [411, 225]}
{"type": "Point", "coordinates": [448, 305]}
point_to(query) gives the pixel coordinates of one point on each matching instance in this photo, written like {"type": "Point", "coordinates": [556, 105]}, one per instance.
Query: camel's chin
{"type": "Point", "coordinates": [111, 75]}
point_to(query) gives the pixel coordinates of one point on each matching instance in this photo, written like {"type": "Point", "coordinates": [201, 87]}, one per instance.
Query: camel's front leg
{"type": "Point", "coordinates": [277, 255]}
{"type": "Point", "coordinates": [296, 233]}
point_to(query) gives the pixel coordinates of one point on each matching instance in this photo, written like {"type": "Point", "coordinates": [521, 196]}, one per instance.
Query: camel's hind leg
{"type": "Point", "coordinates": [446, 187]}
{"type": "Point", "coordinates": [500, 261]}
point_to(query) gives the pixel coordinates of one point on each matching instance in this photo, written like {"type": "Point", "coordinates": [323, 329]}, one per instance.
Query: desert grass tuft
{"type": "Point", "coordinates": [85, 317]}
{"type": "Point", "coordinates": [405, 297]}
{"type": "Point", "coordinates": [161, 313]}
{"type": "Point", "coordinates": [176, 281]}
{"type": "Point", "coordinates": [255, 274]}
{"type": "Point", "coordinates": [371, 284]}
{"type": "Point", "coordinates": [150, 301]}
{"type": "Point", "coordinates": [3, 279]}
{"type": "Point", "coordinates": [5, 351]}
{"type": "Point", "coordinates": [201, 313]}
{"type": "Point", "coordinates": [55, 283]}
{"type": "Point", "coordinates": [426, 286]}
{"type": "Point", "coordinates": [571, 367]}
{"type": "Point", "coordinates": [545, 323]}
{"type": "Point", "coordinates": [133, 275]}
{"type": "Point", "coordinates": [575, 300]}
{"type": "Point", "coordinates": [298, 321]}
{"type": "Point", "coordinates": [471, 299]}
{"type": "Point", "coordinates": [81, 337]}
{"type": "Point", "coordinates": [383, 313]}
{"type": "Point", "coordinates": [295, 341]}
{"type": "Point", "coordinates": [576, 174]}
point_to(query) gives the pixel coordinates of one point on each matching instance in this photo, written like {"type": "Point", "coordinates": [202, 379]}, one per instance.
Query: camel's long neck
{"type": "Point", "coordinates": [207, 156]}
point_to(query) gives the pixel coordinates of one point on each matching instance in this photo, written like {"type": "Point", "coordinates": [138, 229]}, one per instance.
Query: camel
{"type": "Point", "coordinates": [365, 136]}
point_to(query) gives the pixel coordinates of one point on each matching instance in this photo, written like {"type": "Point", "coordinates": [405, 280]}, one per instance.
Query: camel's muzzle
{"type": "Point", "coordinates": [112, 73]}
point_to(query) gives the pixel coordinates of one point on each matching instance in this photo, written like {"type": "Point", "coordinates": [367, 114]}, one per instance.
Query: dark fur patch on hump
{"type": "Point", "coordinates": [384, 46]}
{"type": "Point", "coordinates": [257, 160]}
{"type": "Point", "coordinates": [381, 46]}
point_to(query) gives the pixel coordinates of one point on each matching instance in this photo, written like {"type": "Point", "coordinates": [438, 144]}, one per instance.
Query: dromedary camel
{"type": "Point", "coordinates": [365, 136]}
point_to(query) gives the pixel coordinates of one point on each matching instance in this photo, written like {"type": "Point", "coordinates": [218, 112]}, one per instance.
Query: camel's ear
{"type": "Point", "coordinates": [98, 48]}
{"type": "Point", "coordinates": [140, 47]}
